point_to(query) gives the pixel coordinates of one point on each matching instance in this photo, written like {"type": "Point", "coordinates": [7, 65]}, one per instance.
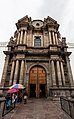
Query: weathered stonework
{"type": "Point", "coordinates": [38, 58]}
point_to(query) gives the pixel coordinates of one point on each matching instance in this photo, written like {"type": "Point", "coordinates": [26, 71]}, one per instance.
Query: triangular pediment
{"type": "Point", "coordinates": [51, 20]}
{"type": "Point", "coordinates": [24, 19]}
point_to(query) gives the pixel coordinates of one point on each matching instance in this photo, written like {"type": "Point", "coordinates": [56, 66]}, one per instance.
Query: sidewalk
{"type": "Point", "coordinates": [38, 109]}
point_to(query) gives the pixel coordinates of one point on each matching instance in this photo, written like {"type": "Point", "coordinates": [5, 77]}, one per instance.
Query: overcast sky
{"type": "Point", "coordinates": [13, 10]}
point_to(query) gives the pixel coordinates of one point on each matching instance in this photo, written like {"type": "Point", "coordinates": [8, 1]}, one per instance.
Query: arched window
{"type": "Point", "coordinates": [37, 41]}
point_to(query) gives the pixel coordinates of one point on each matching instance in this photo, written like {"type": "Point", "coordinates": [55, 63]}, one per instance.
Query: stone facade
{"type": "Point", "coordinates": [37, 57]}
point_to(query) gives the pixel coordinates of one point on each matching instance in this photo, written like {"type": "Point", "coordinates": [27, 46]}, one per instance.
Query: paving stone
{"type": "Point", "coordinates": [38, 109]}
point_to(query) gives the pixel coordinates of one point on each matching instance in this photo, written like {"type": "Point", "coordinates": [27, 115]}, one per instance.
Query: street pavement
{"type": "Point", "coordinates": [37, 109]}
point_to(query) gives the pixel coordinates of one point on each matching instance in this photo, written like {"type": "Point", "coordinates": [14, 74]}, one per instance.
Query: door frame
{"type": "Point", "coordinates": [38, 86]}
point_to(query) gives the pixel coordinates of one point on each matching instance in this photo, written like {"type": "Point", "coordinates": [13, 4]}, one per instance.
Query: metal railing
{"type": "Point", "coordinates": [67, 104]}
{"type": "Point", "coordinates": [7, 108]}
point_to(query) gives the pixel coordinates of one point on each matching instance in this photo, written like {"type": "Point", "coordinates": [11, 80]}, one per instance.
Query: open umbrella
{"type": "Point", "coordinates": [17, 86]}
{"type": "Point", "coordinates": [12, 90]}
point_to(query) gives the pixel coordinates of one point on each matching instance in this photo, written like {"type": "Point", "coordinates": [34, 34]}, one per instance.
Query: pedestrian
{"type": "Point", "coordinates": [20, 97]}
{"type": "Point", "coordinates": [13, 99]}
{"type": "Point", "coordinates": [8, 101]}
{"type": "Point", "coordinates": [16, 98]}
{"type": "Point", "coordinates": [25, 97]}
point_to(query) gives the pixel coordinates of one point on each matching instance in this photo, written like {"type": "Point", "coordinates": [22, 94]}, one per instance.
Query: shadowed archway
{"type": "Point", "coordinates": [37, 82]}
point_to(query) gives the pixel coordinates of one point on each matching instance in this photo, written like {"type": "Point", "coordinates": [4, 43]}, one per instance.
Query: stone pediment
{"type": "Point", "coordinates": [51, 21]}
{"type": "Point", "coordinates": [23, 21]}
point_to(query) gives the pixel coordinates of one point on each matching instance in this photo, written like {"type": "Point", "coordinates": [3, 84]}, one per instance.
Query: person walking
{"type": "Point", "coordinates": [25, 97]}
{"type": "Point", "coordinates": [13, 99]}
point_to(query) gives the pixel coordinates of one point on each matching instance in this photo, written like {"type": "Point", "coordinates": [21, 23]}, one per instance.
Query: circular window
{"type": "Point", "coordinates": [37, 24]}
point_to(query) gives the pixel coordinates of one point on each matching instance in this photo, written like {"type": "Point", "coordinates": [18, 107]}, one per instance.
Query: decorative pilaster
{"type": "Point", "coordinates": [50, 39]}
{"type": "Point", "coordinates": [62, 72]}
{"type": "Point", "coordinates": [56, 38]}
{"type": "Point", "coordinates": [53, 73]}
{"type": "Point", "coordinates": [5, 70]}
{"type": "Point", "coordinates": [59, 74]}
{"type": "Point", "coordinates": [48, 81]}
{"type": "Point", "coordinates": [18, 38]}
{"type": "Point", "coordinates": [25, 37]}
{"type": "Point", "coordinates": [30, 42]}
{"type": "Point", "coordinates": [49, 75]}
{"type": "Point", "coordinates": [69, 71]}
{"type": "Point", "coordinates": [25, 74]}
{"type": "Point", "coordinates": [21, 37]}
{"type": "Point", "coordinates": [53, 37]}
{"type": "Point", "coordinates": [21, 73]}
{"type": "Point", "coordinates": [12, 73]}
{"type": "Point", "coordinates": [16, 72]}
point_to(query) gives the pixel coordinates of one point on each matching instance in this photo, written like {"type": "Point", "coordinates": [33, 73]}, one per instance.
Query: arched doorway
{"type": "Point", "coordinates": [37, 82]}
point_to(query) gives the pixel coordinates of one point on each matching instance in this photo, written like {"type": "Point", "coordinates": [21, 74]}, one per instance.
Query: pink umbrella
{"type": "Point", "coordinates": [12, 90]}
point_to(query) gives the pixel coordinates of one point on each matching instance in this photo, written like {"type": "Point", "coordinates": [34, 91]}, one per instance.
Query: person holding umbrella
{"type": "Point", "coordinates": [25, 97]}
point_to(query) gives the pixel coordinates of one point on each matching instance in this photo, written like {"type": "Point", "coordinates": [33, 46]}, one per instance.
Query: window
{"type": "Point", "coordinates": [37, 41]}
{"type": "Point", "coordinates": [37, 24]}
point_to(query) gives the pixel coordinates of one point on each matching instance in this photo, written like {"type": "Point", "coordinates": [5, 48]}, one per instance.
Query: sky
{"type": "Point", "coordinates": [60, 10]}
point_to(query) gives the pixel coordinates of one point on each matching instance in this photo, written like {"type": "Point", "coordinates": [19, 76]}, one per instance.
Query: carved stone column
{"type": "Point", "coordinates": [59, 74]}
{"type": "Point", "coordinates": [53, 37]}
{"type": "Point", "coordinates": [69, 71]}
{"type": "Point", "coordinates": [16, 72]}
{"type": "Point", "coordinates": [18, 38]}
{"type": "Point", "coordinates": [12, 73]}
{"type": "Point", "coordinates": [53, 73]}
{"type": "Point", "coordinates": [50, 39]}
{"type": "Point", "coordinates": [31, 41]}
{"type": "Point", "coordinates": [49, 80]}
{"type": "Point", "coordinates": [56, 38]}
{"type": "Point", "coordinates": [5, 70]}
{"type": "Point", "coordinates": [21, 37]}
{"type": "Point", "coordinates": [49, 76]}
{"type": "Point", "coordinates": [25, 76]}
{"type": "Point", "coordinates": [21, 72]}
{"type": "Point", "coordinates": [25, 37]}
{"type": "Point", "coordinates": [62, 72]}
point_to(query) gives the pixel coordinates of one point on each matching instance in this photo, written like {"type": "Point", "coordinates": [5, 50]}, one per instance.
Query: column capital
{"type": "Point", "coordinates": [23, 29]}
{"type": "Point", "coordinates": [49, 29]}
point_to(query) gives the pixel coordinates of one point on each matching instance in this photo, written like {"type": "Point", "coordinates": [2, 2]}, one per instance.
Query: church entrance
{"type": "Point", "coordinates": [37, 82]}
{"type": "Point", "coordinates": [42, 90]}
{"type": "Point", "coordinates": [32, 90]}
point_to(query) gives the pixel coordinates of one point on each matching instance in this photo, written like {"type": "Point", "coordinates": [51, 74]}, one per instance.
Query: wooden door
{"type": "Point", "coordinates": [37, 77]}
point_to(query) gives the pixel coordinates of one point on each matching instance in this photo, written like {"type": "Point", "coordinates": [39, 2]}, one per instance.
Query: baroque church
{"type": "Point", "coordinates": [37, 57]}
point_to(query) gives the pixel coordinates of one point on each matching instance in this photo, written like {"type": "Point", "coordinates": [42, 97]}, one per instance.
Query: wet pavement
{"type": "Point", "coordinates": [37, 109]}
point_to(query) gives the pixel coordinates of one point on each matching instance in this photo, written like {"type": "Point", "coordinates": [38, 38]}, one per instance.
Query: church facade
{"type": "Point", "coordinates": [37, 57]}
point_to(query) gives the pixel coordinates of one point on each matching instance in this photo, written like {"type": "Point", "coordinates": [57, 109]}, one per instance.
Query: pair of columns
{"type": "Point", "coordinates": [15, 72]}
{"type": "Point", "coordinates": [60, 73]}
{"type": "Point", "coordinates": [53, 38]}
{"type": "Point", "coordinates": [22, 36]}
